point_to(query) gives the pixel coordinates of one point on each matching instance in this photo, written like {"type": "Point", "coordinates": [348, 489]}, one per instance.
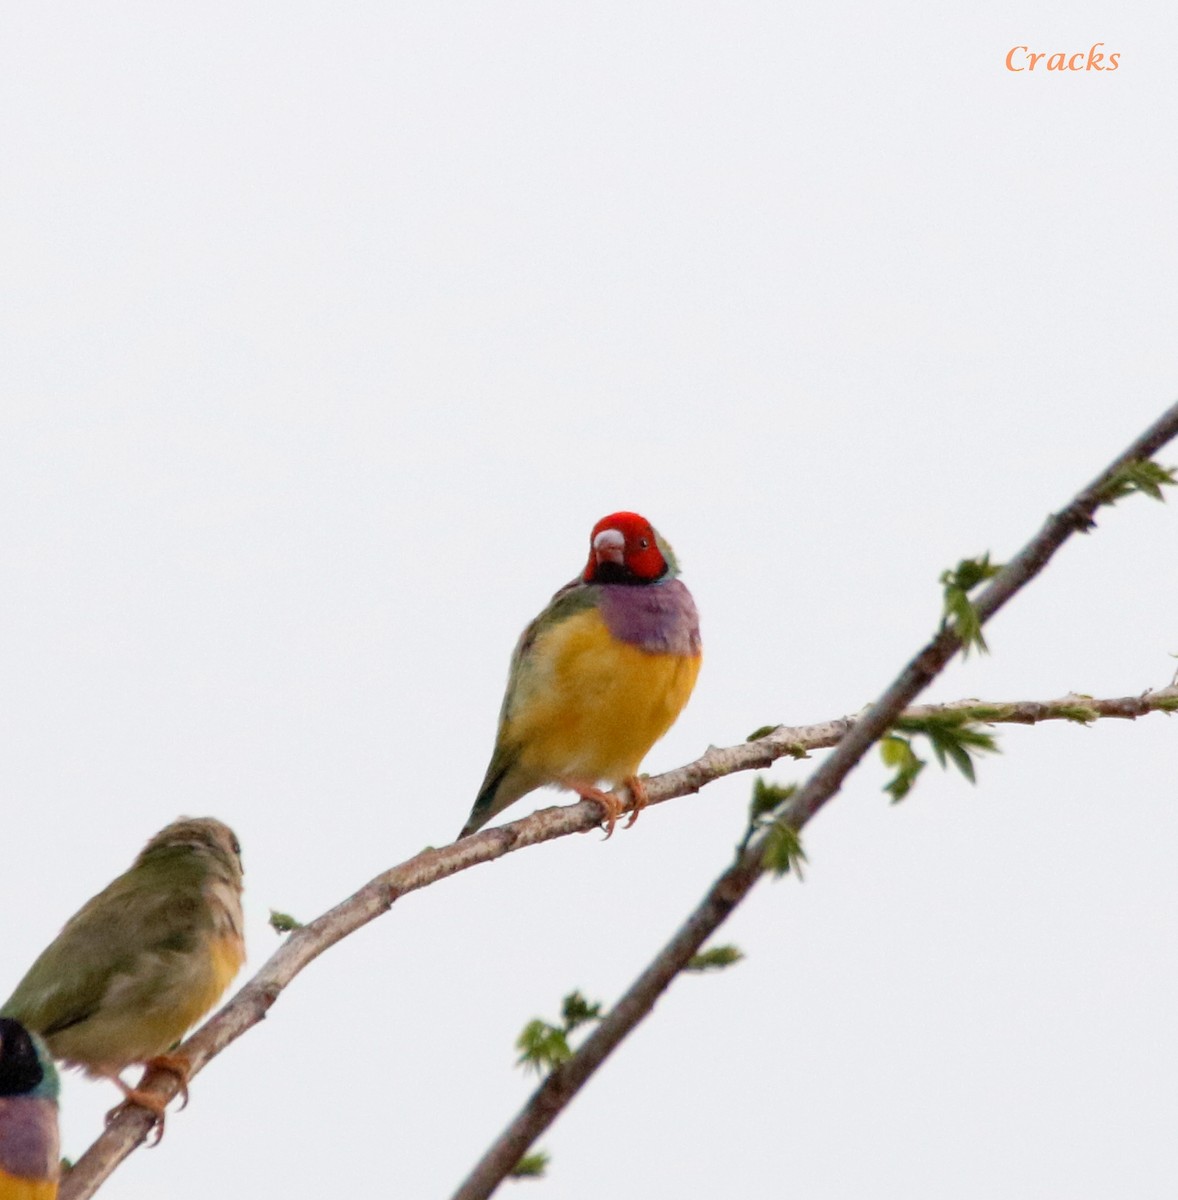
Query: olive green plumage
{"type": "Point", "coordinates": [143, 960]}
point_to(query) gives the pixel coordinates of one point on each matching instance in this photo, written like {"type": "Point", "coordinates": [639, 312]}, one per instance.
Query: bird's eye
{"type": "Point", "coordinates": [643, 544]}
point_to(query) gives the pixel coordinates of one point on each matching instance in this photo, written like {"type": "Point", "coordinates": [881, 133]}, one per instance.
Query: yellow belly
{"type": "Point", "coordinates": [13, 1187]}
{"type": "Point", "coordinates": [593, 706]}
{"type": "Point", "coordinates": [148, 1011]}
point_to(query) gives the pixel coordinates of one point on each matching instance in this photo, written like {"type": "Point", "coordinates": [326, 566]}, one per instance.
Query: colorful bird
{"type": "Point", "coordinates": [598, 677]}
{"type": "Point", "coordinates": [30, 1156]}
{"type": "Point", "coordinates": [142, 961]}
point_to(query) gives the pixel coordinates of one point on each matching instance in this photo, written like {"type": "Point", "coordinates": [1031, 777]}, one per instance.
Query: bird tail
{"type": "Point", "coordinates": [484, 806]}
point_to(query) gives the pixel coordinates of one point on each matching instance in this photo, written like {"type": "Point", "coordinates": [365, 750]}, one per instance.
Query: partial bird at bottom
{"type": "Point", "coordinates": [30, 1153]}
{"type": "Point", "coordinates": [143, 961]}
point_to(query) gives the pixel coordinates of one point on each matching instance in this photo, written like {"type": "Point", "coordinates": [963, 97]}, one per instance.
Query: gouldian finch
{"type": "Point", "coordinates": [30, 1157]}
{"type": "Point", "coordinates": [598, 677]}
{"type": "Point", "coordinates": [144, 960]}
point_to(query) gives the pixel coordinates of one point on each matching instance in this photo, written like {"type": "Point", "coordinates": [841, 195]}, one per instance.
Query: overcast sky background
{"type": "Point", "coordinates": [330, 331]}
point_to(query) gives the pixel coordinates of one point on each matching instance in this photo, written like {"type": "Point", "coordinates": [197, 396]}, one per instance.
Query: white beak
{"type": "Point", "coordinates": [608, 546]}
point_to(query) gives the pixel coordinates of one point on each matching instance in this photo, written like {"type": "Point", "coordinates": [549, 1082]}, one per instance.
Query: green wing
{"type": "Point", "coordinates": [152, 908]}
{"type": "Point", "coordinates": [501, 786]}
{"type": "Point", "coordinates": [573, 598]}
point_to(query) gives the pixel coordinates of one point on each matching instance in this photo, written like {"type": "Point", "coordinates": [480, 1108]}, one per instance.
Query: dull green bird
{"type": "Point", "coordinates": [30, 1154]}
{"type": "Point", "coordinates": [143, 961]}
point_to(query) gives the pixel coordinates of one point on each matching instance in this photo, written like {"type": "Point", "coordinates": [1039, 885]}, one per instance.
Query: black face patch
{"type": "Point", "coordinates": [20, 1069]}
{"type": "Point", "coordinates": [612, 572]}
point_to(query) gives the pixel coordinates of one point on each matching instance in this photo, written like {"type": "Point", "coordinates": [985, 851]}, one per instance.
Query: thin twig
{"type": "Point", "coordinates": [563, 1083]}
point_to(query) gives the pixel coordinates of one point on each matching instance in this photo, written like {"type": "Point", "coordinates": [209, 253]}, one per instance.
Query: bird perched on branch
{"type": "Point", "coordinates": [598, 677]}
{"type": "Point", "coordinates": [30, 1155]}
{"type": "Point", "coordinates": [143, 961]}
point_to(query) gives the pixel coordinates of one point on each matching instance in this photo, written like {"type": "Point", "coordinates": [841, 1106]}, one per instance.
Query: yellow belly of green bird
{"type": "Point", "coordinates": [13, 1187]}
{"type": "Point", "coordinates": [593, 706]}
{"type": "Point", "coordinates": [147, 1012]}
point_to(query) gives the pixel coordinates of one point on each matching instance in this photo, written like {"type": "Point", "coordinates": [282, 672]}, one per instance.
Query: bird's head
{"type": "Point", "coordinates": [205, 839]}
{"type": "Point", "coordinates": [624, 548]}
{"type": "Point", "coordinates": [26, 1067]}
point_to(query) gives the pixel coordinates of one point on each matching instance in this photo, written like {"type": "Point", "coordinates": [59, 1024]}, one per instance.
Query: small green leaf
{"type": "Point", "coordinates": [954, 737]}
{"type": "Point", "coordinates": [1138, 475]}
{"type": "Point", "coordinates": [768, 797]}
{"type": "Point", "coordinates": [961, 759]}
{"type": "Point", "coordinates": [542, 1046]}
{"type": "Point", "coordinates": [767, 803]}
{"type": "Point", "coordinates": [576, 1010]}
{"type": "Point", "coordinates": [531, 1166]}
{"type": "Point", "coordinates": [969, 572]}
{"type": "Point", "coordinates": [762, 731]}
{"type": "Point", "coordinates": [1079, 713]}
{"type": "Point", "coordinates": [783, 851]}
{"type": "Point", "coordinates": [716, 958]}
{"type": "Point", "coordinates": [984, 713]}
{"type": "Point", "coordinates": [938, 751]}
{"type": "Point", "coordinates": [897, 753]}
{"type": "Point", "coordinates": [282, 922]}
{"type": "Point", "coordinates": [960, 613]}
{"type": "Point", "coordinates": [946, 730]}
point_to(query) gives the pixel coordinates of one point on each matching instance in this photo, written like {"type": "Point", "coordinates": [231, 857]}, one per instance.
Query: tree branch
{"type": "Point", "coordinates": [852, 736]}
{"type": "Point", "coordinates": [565, 1080]}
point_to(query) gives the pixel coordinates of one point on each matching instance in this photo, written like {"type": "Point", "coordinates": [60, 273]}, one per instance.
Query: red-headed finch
{"type": "Point", "coordinates": [598, 677]}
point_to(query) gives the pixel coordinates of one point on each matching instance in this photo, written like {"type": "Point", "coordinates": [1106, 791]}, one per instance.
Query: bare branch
{"type": "Point", "coordinates": [738, 880]}
{"type": "Point", "coordinates": [852, 735]}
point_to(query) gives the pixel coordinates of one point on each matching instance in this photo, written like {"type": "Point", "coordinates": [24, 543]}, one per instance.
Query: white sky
{"type": "Point", "coordinates": [331, 330]}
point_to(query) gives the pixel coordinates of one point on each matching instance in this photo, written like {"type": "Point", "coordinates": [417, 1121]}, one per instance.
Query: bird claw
{"type": "Point", "coordinates": [174, 1064]}
{"type": "Point", "coordinates": [135, 1098]}
{"type": "Point", "coordinates": [611, 806]}
{"type": "Point", "coordinates": [639, 795]}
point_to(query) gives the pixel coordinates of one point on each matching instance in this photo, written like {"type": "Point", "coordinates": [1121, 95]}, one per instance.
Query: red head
{"type": "Point", "coordinates": [624, 548]}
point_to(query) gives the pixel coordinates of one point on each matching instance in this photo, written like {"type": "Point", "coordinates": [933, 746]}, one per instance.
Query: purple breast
{"type": "Point", "coordinates": [658, 617]}
{"type": "Point", "coordinates": [28, 1137]}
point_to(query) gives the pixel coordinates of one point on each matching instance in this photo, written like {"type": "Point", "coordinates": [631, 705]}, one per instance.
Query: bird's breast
{"type": "Point", "coordinates": [592, 704]}
{"type": "Point", "coordinates": [658, 617]}
{"type": "Point", "coordinates": [29, 1149]}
